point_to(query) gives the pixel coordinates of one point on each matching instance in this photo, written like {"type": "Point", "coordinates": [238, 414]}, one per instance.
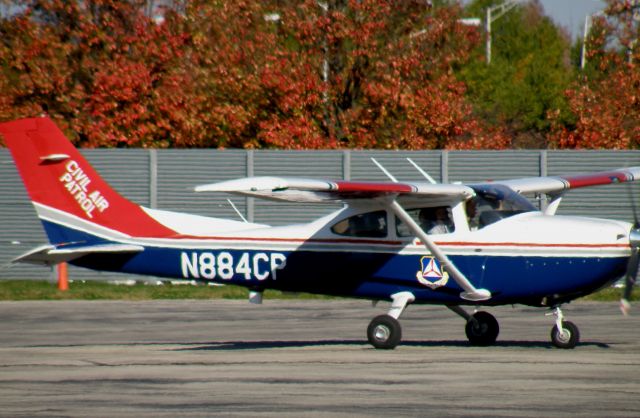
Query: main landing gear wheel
{"type": "Point", "coordinates": [568, 337]}
{"type": "Point", "coordinates": [384, 332]}
{"type": "Point", "coordinates": [482, 329]}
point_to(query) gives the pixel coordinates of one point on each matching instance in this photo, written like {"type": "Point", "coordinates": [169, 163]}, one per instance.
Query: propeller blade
{"type": "Point", "coordinates": [634, 260]}
{"type": "Point", "coordinates": [634, 207]}
{"type": "Point", "coordinates": [630, 280]}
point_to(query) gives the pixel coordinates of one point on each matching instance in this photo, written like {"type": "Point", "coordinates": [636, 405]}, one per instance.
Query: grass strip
{"type": "Point", "coordinates": [94, 290]}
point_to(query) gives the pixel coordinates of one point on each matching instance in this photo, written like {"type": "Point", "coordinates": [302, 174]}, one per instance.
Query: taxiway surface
{"type": "Point", "coordinates": [307, 358]}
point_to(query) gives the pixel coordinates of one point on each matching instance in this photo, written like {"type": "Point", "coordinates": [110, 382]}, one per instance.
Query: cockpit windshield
{"type": "Point", "coordinates": [494, 202]}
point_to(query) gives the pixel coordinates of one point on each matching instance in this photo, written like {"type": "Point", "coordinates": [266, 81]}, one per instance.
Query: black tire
{"type": "Point", "coordinates": [568, 339]}
{"type": "Point", "coordinates": [483, 329]}
{"type": "Point", "coordinates": [384, 332]}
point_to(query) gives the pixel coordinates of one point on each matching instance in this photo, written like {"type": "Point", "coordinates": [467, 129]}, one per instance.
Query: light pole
{"type": "Point", "coordinates": [636, 17]}
{"type": "Point", "coordinates": [493, 14]}
{"type": "Point", "coordinates": [325, 64]}
{"type": "Point", "coordinates": [467, 21]}
{"type": "Point", "coordinates": [585, 34]}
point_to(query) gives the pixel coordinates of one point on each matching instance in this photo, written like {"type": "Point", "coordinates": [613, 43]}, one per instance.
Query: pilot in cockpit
{"type": "Point", "coordinates": [471, 208]}
{"type": "Point", "coordinates": [435, 220]}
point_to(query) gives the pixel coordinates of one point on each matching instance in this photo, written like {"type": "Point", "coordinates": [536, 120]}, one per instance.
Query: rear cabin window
{"type": "Point", "coordinates": [369, 225]}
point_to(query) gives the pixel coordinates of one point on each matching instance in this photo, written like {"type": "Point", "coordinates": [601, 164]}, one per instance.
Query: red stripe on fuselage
{"type": "Point", "coordinates": [292, 240]}
{"type": "Point", "coordinates": [397, 243]}
{"type": "Point", "coordinates": [530, 244]}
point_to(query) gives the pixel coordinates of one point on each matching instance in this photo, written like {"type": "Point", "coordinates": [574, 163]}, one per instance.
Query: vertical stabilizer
{"type": "Point", "coordinates": [68, 194]}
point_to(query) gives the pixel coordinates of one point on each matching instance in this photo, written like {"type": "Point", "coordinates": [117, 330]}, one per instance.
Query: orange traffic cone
{"type": "Point", "coordinates": [63, 282]}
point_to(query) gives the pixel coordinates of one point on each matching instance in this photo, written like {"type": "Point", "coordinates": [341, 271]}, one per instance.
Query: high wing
{"type": "Point", "coordinates": [559, 184]}
{"type": "Point", "coordinates": [317, 191]}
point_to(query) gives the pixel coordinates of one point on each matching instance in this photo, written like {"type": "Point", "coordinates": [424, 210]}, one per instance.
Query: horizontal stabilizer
{"type": "Point", "coordinates": [49, 255]}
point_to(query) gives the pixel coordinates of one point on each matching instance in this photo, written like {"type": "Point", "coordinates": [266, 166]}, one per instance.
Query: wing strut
{"type": "Point", "coordinates": [470, 292]}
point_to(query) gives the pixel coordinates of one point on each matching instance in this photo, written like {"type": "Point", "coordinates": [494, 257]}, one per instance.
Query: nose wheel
{"type": "Point", "coordinates": [564, 334]}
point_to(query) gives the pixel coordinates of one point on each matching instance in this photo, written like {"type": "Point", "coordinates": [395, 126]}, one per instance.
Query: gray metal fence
{"type": "Point", "coordinates": [165, 179]}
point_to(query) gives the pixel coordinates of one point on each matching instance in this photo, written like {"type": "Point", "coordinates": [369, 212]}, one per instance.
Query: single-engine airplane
{"type": "Point", "coordinates": [455, 245]}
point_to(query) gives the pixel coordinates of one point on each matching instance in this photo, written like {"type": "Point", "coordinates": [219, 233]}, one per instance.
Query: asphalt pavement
{"type": "Point", "coordinates": [307, 358]}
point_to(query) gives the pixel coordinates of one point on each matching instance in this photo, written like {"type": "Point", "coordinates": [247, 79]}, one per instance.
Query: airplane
{"type": "Point", "coordinates": [461, 246]}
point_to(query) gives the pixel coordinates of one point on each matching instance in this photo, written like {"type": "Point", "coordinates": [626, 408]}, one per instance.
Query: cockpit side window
{"type": "Point", "coordinates": [433, 220]}
{"type": "Point", "coordinates": [368, 225]}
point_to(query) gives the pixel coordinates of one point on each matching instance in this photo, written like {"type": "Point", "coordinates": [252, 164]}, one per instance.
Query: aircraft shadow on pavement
{"type": "Point", "coordinates": [256, 345]}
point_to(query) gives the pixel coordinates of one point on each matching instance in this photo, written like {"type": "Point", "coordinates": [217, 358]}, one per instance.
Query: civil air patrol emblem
{"type": "Point", "coordinates": [431, 273]}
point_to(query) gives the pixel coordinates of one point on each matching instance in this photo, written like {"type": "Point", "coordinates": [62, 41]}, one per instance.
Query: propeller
{"type": "Point", "coordinates": [630, 277]}
{"type": "Point", "coordinates": [634, 260]}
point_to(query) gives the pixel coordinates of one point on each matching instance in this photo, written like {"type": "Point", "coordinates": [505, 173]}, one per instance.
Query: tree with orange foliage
{"type": "Point", "coordinates": [606, 100]}
{"type": "Point", "coordinates": [272, 74]}
{"type": "Point", "coordinates": [101, 68]}
{"type": "Point", "coordinates": [372, 74]}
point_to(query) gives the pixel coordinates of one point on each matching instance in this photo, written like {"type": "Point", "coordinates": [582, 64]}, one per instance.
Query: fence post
{"type": "Point", "coordinates": [544, 172]}
{"type": "Point", "coordinates": [153, 178]}
{"type": "Point", "coordinates": [444, 167]}
{"type": "Point", "coordinates": [250, 171]}
{"type": "Point", "coordinates": [346, 165]}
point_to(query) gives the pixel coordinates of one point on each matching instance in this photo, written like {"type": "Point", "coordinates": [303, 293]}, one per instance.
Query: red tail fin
{"type": "Point", "coordinates": [58, 177]}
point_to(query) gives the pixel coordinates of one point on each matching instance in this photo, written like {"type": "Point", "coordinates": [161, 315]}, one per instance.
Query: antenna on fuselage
{"type": "Point", "coordinates": [421, 171]}
{"type": "Point", "coordinates": [384, 170]}
{"type": "Point", "coordinates": [237, 211]}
